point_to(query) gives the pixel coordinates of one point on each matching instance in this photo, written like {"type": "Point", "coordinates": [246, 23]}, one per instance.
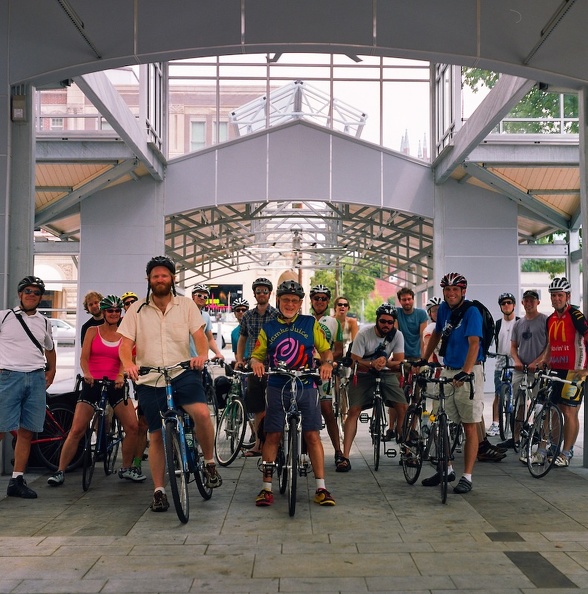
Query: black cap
{"type": "Point", "coordinates": [531, 293]}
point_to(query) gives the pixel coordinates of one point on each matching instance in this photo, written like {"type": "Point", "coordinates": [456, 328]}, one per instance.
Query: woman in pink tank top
{"type": "Point", "coordinates": [99, 359]}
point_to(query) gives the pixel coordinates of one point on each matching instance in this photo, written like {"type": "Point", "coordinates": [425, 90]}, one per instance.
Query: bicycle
{"type": "Point", "coordinates": [182, 451]}
{"type": "Point", "coordinates": [230, 431]}
{"type": "Point", "coordinates": [519, 410]}
{"type": "Point", "coordinates": [103, 436]}
{"type": "Point", "coordinates": [46, 445]}
{"type": "Point", "coordinates": [341, 393]}
{"type": "Point", "coordinates": [289, 462]}
{"type": "Point", "coordinates": [378, 423]}
{"type": "Point", "coordinates": [542, 429]}
{"type": "Point", "coordinates": [506, 404]}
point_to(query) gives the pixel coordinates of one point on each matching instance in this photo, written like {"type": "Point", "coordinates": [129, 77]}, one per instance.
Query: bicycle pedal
{"type": "Point", "coordinates": [364, 418]}
{"type": "Point", "coordinates": [391, 453]}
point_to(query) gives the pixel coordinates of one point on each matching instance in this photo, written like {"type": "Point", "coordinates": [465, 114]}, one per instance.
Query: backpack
{"type": "Point", "coordinates": [488, 325]}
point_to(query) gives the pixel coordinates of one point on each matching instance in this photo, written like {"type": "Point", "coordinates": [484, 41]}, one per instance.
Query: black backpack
{"type": "Point", "coordinates": [488, 325]}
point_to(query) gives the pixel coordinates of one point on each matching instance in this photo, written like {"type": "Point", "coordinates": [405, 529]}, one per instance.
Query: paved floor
{"type": "Point", "coordinates": [512, 533]}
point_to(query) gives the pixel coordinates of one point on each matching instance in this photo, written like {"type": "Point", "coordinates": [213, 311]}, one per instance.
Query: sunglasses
{"type": "Point", "coordinates": [239, 310]}
{"type": "Point", "coordinates": [112, 310]}
{"type": "Point", "coordinates": [129, 302]}
{"type": "Point", "coordinates": [342, 304]}
{"type": "Point", "coordinates": [34, 292]}
{"type": "Point", "coordinates": [261, 292]}
{"type": "Point", "coordinates": [323, 299]}
{"type": "Point", "coordinates": [201, 295]}
{"type": "Point", "coordinates": [386, 322]}
{"type": "Point", "coordinates": [506, 302]}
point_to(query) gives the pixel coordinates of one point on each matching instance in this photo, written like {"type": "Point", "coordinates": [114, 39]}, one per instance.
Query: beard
{"type": "Point", "coordinates": [160, 288]}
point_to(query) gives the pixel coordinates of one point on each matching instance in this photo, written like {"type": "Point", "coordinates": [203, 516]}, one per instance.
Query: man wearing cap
{"type": "Point", "coordinates": [27, 369]}
{"type": "Point", "coordinates": [528, 347]}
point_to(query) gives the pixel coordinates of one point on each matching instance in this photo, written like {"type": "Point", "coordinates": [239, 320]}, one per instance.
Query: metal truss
{"type": "Point", "coordinates": [210, 242]}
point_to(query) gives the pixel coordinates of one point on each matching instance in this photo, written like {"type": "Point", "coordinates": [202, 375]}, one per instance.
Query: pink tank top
{"type": "Point", "coordinates": [104, 360]}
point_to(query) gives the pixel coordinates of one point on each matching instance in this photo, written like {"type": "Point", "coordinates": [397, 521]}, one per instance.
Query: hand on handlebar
{"type": "Point", "coordinates": [462, 377]}
{"type": "Point", "coordinates": [198, 362]}
{"type": "Point", "coordinates": [132, 372]}
{"type": "Point", "coordinates": [379, 363]}
{"type": "Point", "coordinates": [88, 379]}
{"type": "Point", "coordinates": [257, 367]}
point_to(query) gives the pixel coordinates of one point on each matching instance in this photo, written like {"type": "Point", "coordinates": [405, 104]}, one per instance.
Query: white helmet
{"type": "Point", "coordinates": [432, 302]}
{"type": "Point", "coordinates": [558, 285]}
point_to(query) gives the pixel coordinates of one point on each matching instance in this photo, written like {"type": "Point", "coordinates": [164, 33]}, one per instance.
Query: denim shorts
{"type": "Point", "coordinates": [278, 401]}
{"type": "Point", "coordinates": [22, 400]}
{"type": "Point", "coordinates": [187, 388]}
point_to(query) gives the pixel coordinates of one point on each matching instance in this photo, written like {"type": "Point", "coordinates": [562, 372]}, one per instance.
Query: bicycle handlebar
{"type": "Point", "coordinates": [144, 370]}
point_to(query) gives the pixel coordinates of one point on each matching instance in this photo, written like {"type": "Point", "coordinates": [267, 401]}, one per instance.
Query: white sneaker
{"type": "Point", "coordinates": [523, 458]}
{"type": "Point", "coordinates": [132, 474]}
{"type": "Point", "coordinates": [493, 431]}
{"type": "Point", "coordinates": [537, 459]}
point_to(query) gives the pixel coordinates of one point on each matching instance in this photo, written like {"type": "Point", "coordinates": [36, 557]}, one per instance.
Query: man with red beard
{"type": "Point", "coordinates": [160, 326]}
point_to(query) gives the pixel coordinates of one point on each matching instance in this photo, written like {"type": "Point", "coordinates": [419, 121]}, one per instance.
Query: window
{"type": "Point", "coordinates": [197, 136]}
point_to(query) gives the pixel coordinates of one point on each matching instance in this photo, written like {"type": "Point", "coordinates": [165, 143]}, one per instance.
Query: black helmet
{"type": "Point", "coordinates": [320, 289]}
{"type": "Point", "coordinates": [504, 296]}
{"type": "Point", "coordinates": [290, 287]}
{"type": "Point", "coordinates": [386, 310]}
{"type": "Point", "coordinates": [262, 282]}
{"type": "Point", "coordinates": [31, 281]}
{"type": "Point", "coordinates": [161, 261]}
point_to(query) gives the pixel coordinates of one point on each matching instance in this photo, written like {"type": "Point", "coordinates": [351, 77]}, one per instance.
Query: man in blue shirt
{"type": "Point", "coordinates": [459, 324]}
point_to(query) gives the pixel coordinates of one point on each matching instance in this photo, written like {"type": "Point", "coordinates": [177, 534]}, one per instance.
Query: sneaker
{"type": "Point", "coordinates": [160, 502]}
{"type": "Point", "coordinates": [132, 474]}
{"type": "Point", "coordinates": [390, 435]}
{"type": "Point", "coordinates": [213, 478]}
{"type": "Point", "coordinates": [493, 431]}
{"type": "Point", "coordinates": [561, 462]}
{"type": "Point", "coordinates": [17, 487]}
{"type": "Point", "coordinates": [537, 459]}
{"type": "Point", "coordinates": [323, 497]}
{"type": "Point", "coordinates": [57, 479]}
{"type": "Point", "coordinates": [508, 444]}
{"type": "Point", "coordinates": [434, 480]}
{"type": "Point", "coordinates": [488, 453]}
{"type": "Point", "coordinates": [264, 498]}
{"type": "Point", "coordinates": [464, 486]}
{"type": "Point", "coordinates": [523, 458]}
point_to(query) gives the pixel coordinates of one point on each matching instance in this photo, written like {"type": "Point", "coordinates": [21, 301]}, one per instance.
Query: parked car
{"type": "Point", "coordinates": [63, 332]}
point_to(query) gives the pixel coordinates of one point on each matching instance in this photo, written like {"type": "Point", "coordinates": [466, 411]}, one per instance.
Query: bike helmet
{"type": "Point", "coordinates": [320, 289]}
{"type": "Point", "coordinates": [201, 288]}
{"type": "Point", "coordinates": [111, 301]}
{"type": "Point", "coordinates": [240, 302]}
{"type": "Point", "coordinates": [432, 302]}
{"type": "Point", "coordinates": [290, 287]}
{"type": "Point", "coordinates": [454, 279]}
{"type": "Point", "coordinates": [161, 261]}
{"type": "Point", "coordinates": [558, 285]}
{"type": "Point", "coordinates": [262, 282]}
{"type": "Point", "coordinates": [386, 310]}
{"type": "Point", "coordinates": [505, 296]}
{"type": "Point", "coordinates": [128, 294]}
{"type": "Point", "coordinates": [31, 281]}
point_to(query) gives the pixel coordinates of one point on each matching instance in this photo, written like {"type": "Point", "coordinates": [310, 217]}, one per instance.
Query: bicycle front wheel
{"type": "Point", "coordinates": [377, 432]}
{"type": "Point", "coordinates": [178, 476]}
{"type": "Point", "coordinates": [505, 402]}
{"type": "Point", "coordinates": [282, 468]}
{"type": "Point", "coordinates": [411, 449]}
{"type": "Point", "coordinates": [292, 465]}
{"type": "Point", "coordinates": [518, 420]}
{"type": "Point", "coordinates": [114, 437]}
{"type": "Point", "coordinates": [545, 440]}
{"type": "Point", "coordinates": [443, 455]}
{"type": "Point", "coordinates": [49, 442]}
{"type": "Point", "coordinates": [89, 457]}
{"type": "Point", "coordinates": [230, 433]}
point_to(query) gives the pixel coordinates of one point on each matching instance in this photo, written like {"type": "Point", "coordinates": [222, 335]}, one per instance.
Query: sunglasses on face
{"type": "Point", "coordinates": [323, 299]}
{"type": "Point", "coordinates": [506, 302]}
{"type": "Point", "coordinates": [112, 310]}
{"type": "Point", "coordinates": [239, 310]}
{"type": "Point", "coordinates": [342, 304]}
{"type": "Point", "coordinates": [34, 292]}
{"type": "Point", "coordinates": [261, 292]}
{"type": "Point", "coordinates": [200, 295]}
{"type": "Point", "coordinates": [129, 302]}
{"type": "Point", "coordinates": [386, 322]}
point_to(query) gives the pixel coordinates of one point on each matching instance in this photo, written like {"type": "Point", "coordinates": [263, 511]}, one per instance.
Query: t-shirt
{"type": "Point", "coordinates": [504, 342]}
{"type": "Point", "coordinates": [367, 342]}
{"type": "Point", "coordinates": [530, 336]}
{"type": "Point", "coordinates": [410, 326]}
{"type": "Point", "coordinates": [89, 324]}
{"type": "Point", "coordinates": [457, 342]}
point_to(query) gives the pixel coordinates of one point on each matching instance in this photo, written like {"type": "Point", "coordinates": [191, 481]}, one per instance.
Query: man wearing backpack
{"type": "Point", "coordinates": [459, 326]}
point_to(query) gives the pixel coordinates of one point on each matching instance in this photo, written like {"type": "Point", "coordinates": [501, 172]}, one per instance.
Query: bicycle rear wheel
{"type": "Point", "coordinates": [89, 457]}
{"type": "Point", "coordinates": [505, 402]}
{"type": "Point", "coordinates": [178, 476]}
{"type": "Point", "coordinates": [292, 465]}
{"type": "Point", "coordinates": [545, 440]}
{"type": "Point", "coordinates": [443, 455]}
{"type": "Point", "coordinates": [456, 438]}
{"type": "Point", "coordinates": [411, 449]}
{"type": "Point", "coordinates": [376, 431]}
{"type": "Point", "coordinates": [114, 437]}
{"type": "Point", "coordinates": [49, 442]}
{"type": "Point", "coordinates": [230, 433]}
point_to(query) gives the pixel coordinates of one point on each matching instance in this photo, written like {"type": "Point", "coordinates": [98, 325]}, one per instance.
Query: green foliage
{"type": "Point", "coordinates": [553, 267]}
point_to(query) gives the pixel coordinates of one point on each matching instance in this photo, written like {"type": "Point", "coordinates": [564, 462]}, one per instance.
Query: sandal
{"type": "Point", "coordinates": [343, 465]}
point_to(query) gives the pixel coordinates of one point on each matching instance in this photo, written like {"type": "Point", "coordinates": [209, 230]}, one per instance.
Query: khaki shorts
{"type": "Point", "coordinates": [458, 406]}
{"type": "Point", "coordinates": [362, 393]}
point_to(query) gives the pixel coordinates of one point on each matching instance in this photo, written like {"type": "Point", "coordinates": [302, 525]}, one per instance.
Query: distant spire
{"type": "Point", "coordinates": [420, 151]}
{"type": "Point", "coordinates": [405, 146]}
{"type": "Point", "coordinates": [425, 148]}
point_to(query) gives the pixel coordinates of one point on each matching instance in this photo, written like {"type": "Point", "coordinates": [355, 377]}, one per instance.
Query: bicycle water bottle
{"type": "Point", "coordinates": [425, 423]}
{"type": "Point", "coordinates": [188, 431]}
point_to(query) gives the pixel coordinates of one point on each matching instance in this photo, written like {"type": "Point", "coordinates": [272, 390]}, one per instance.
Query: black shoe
{"type": "Point", "coordinates": [509, 443]}
{"type": "Point", "coordinates": [390, 435]}
{"type": "Point", "coordinates": [17, 487]}
{"type": "Point", "coordinates": [434, 480]}
{"type": "Point", "coordinates": [464, 486]}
